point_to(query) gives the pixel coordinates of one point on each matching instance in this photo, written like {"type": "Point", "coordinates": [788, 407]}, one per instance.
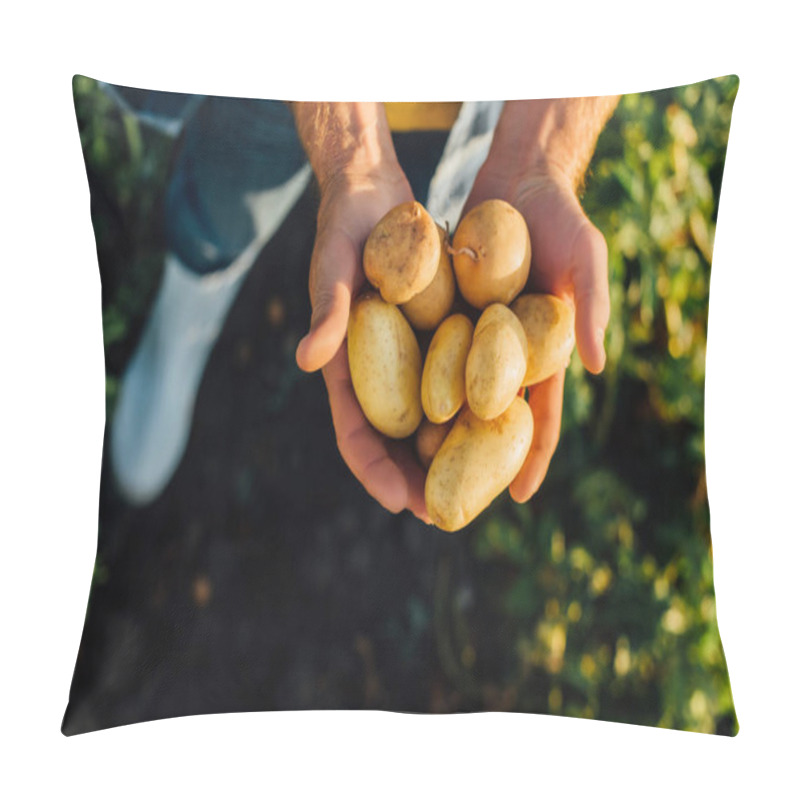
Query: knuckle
{"type": "Point", "coordinates": [321, 302]}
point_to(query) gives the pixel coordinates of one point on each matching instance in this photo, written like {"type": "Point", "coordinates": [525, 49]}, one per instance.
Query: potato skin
{"type": "Point", "coordinates": [427, 309]}
{"type": "Point", "coordinates": [549, 325]}
{"type": "Point", "coordinates": [429, 438]}
{"type": "Point", "coordinates": [443, 376]}
{"type": "Point", "coordinates": [498, 235]}
{"type": "Point", "coordinates": [496, 362]}
{"type": "Point", "coordinates": [476, 463]}
{"type": "Point", "coordinates": [385, 366]}
{"type": "Point", "coordinates": [401, 254]}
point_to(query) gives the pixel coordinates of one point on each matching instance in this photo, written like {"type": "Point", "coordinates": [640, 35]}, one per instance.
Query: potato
{"type": "Point", "coordinates": [491, 254]}
{"type": "Point", "coordinates": [443, 386]}
{"type": "Point", "coordinates": [477, 461]}
{"type": "Point", "coordinates": [427, 309]}
{"type": "Point", "coordinates": [429, 439]}
{"type": "Point", "coordinates": [385, 366]}
{"type": "Point", "coordinates": [402, 253]}
{"type": "Point", "coordinates": [496, 362]}
{"type": "Point", "coordinates": [549, 325]}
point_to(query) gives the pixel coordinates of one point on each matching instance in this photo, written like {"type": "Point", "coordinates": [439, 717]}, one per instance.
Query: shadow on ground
{"type": "Point", "coordinates": [264, 577]}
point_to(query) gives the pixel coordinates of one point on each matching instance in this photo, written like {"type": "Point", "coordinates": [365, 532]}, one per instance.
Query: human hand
{"type": "Point", "coordinates": [350, 206]}
{"type": "Point", "coordinates": [569, 258]}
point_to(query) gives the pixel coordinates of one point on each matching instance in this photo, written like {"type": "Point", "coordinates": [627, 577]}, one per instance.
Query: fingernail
{"type": "Point", "coordinates": [300, 355]}
{"type": "Point", "coordinates": [600, 338]}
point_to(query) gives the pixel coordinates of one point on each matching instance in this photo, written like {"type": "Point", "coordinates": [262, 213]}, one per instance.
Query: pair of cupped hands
{"type": "Point", "coordinates": [569, 259]}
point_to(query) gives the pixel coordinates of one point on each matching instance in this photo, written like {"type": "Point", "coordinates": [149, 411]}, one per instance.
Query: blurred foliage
{"type": "Point", "coordinates": [608, 572]}
{"type": "Point", "coordinates": [126, 163]}
{"type": "Point", "coordinates": [597, 598]}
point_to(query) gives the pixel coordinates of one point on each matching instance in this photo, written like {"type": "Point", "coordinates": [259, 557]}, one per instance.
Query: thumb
{"type": "Point", "coordinates": [592, 304]}
{"type": "Point", "coordinates": [333, 282]}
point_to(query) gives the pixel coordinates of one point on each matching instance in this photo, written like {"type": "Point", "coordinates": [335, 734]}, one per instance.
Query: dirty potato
{"type": "Point", "coordinates": [430, 436]}
{"type": "Point", "coordinates": [402, 253]}
{"type": "Point", "coordinates": [496, 362]}
{"type": "Point", "coordinates": [385, 366]}
{"type": "Point", "coordinates": [443, 376]}
{"type": "Point", "coordinates": [491, 254]}
{"type": "Point", "coordinates": [477, 461]}
{"type": "Point", "coordinates": [549, 325]}
{"type": "Point", "coordinates": [427, 309]}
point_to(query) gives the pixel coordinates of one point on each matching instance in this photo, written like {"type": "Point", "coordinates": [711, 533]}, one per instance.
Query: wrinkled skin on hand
{"type": "Point", "coordinates": [569, 258]}
{"type": "Point", "coordinates": [350, 206]}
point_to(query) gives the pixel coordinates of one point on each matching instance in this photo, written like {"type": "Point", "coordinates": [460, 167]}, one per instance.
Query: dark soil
{"type": "Point", "coordinates": [264, 577]}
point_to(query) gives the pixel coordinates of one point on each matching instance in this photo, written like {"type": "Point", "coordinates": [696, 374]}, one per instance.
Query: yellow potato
{"type": "Point", "coordinates": [443, 387]}
{"type": "Point", "coordinates": [401, 254]}
{"type": "Point", "coordinates": [429, 439]}
{"type": "Point", "coordinates": [496, 362]}
{"type": "Point", "coordinates": [549, 325]}
{"type": "Point", "coordinates": [491, 254]}
{"type": "Point", "coordinates": [385, 366]}
{"type": "Point", "coordinates": [427, 309]}
{"type": "Point", "coordinates": [477, 461]}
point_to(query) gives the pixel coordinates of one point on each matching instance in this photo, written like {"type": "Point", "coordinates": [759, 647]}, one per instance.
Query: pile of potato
{"type": "Point", "coordinates": [473, 428]}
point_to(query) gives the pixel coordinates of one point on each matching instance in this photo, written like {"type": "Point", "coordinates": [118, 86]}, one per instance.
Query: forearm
{"type": "Point", "coordinates": [550, 137]}
{"type": "Point", "coordinates": [344, 139]}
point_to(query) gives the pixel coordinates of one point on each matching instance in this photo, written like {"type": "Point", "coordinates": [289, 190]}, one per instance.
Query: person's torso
{"type": "Point", "coordinates": [421, 116]}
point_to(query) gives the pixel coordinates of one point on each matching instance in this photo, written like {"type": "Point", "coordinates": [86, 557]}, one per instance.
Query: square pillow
{"type": "Point", "coordinates": [265, 537]}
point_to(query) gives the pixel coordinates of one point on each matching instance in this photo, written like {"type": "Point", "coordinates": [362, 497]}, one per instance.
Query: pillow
{"type": "Point", "coordinates": [262, 546]}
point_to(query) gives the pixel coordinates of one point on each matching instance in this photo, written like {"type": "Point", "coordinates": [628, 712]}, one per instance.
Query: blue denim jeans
{"type": "Point", "coordinates": [229, 150]}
